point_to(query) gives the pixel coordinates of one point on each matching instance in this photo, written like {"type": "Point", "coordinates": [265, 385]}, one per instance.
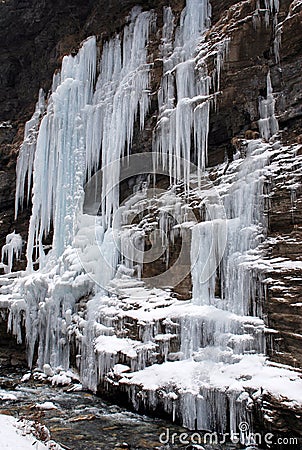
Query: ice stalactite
{"type": "Point", "coordinates": [268, 124]}
{"type": "Point", "coordinates": [121, 96]}
{"type": "Point", "coordinates": [222, 49]}
{"type": "Point", "coordinates": [273, 6]}
{"type": "Point", "coordinates": [184, 93]}
{"type": "Point", "coordinates": [25, 161]}
{"type": "Point", "coordinates": [48, 300]}
{"type": "Point", "coordinates": [11, 250]}
{"type": "Point", "coordinates": [271, 9]}
{"type": "Point", "coordinates": [221, 248]}
{"type": "Point", "coordinates": [88, 122]}
{"type": "Point", "coordinates": [85, 127]}
{"type": "Point", "coordinates": [208, 244]}
{"type": "Point", "coordinates": [212, 334]}
{"type": "Point", "coordinates": [59, 165]}
{"type": "Point", "coordinates": [87, 362]}
{"type": "Point", "coordinates": [132, 245]}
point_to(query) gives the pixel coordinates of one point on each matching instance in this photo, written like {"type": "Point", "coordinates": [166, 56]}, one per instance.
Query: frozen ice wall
{"type": "Point", "coordinates": [88, 125]}
{"type": "Point", "coordinates": [85, 127]}
{"type": "Point", "coordinates": [222, 246]}
{"type": "Point", "coordinates": [11, 250]}
{"type": "Point", "coordinates": [121, 96]}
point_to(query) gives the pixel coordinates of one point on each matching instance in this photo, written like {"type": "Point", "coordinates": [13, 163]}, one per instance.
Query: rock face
{"type": "Point", "coordinates": [35, 35]}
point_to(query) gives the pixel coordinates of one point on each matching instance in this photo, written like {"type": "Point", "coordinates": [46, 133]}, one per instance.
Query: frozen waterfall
{"type": "Point", "coordinates": [59, 164]}
{"type": "Point", "coordinates": [222, 246]}
{"type": "Point", "coordinates": [121, 96]}
{"type": "Point", "coordinates": [27, 151]}
{"type": "Point", "coordinates": [200, 360]}
{"type": "Point", "coordinates": [11, 250]}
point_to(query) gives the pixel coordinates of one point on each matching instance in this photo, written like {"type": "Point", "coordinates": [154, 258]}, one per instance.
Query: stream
{"type": "Point", "coordinates": [83, 421]}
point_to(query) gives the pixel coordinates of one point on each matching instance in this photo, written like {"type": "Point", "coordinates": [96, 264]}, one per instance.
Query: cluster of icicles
{"type": "Point", "coordinates": [89, 121]}
{"type": "Point", "coordinates": [87, 124]}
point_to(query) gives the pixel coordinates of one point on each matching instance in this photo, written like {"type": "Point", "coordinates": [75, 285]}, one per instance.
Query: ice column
{"type": "Point", "coordinates": [220, 264]}
{"type": "Point", "coordinates": [208, 245]}
{"type": "Point", "coordinates": [26, 155]}
{"type": "Point", "coordinates": [120, 98]}
{"type": "Point", "coordinates": [268, 124]}
{"type": "Point", "coordinates": [273, 6]}
{"type": "Point", "coordinates": [271, 11]}
{"type": "Point", "coordinates": [12, 249]}
{"type": "Point", "coordinates": [59, 165]}
{"type": "Point", "coordinates": [183, 95]}
{"type": "Point", "coordinates": [132, 249]}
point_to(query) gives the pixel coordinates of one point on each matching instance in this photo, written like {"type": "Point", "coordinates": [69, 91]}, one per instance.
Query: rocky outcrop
{"type": "Point", "coordinates": [251, 54]}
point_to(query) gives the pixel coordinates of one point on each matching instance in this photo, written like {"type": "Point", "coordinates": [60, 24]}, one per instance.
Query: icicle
{"type": "Point", "coordinates": [270, 15]}
{"type": "Point", "coordinates": [208, 242]}
{"type": "Point", "coordinates": [277, 42]}
{"type": "Point", "coordinates": [166, 47]}
{"type": "Point", "coordinates": [268, 124]}
{"type": "Point", "coordinates": [272, 5]}
{"type": "Point", "coordinates": [183, 93]}
{"type": "Point", "coordinates": [222, 49]}
{"type": "Point", "coordinates": [59, 160]}
{"type": "Point", "coordinates": [26, 155]}
{"type": "Point", "coordinates": [11, 250]}
{"type": "Point", "coordinates": [132, 249]}
{"type": "Point", "coordinates": [121, 93]}
{"type": "Point", "coordinates": [220, 244]}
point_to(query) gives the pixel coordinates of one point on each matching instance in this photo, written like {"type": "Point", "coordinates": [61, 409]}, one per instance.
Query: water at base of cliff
{"type": "Point", "coordinates": [83, 421]}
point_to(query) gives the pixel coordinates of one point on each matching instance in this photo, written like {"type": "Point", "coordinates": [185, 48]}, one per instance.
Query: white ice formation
{"type": "Point", "coordinates": [183, 96]}
{"type": "Point", "coordinates": [11, 250]}
{"type": "Point", "coordinates": [202, 361]}
{"type": "Point", "coordinates": [270, 14]}
{"type": "Point", "coordinates": [27, 151]}
{"type": "Point", "coordinates": [86, 124]}
{"type": "Point", "coordinates": [268, 124]}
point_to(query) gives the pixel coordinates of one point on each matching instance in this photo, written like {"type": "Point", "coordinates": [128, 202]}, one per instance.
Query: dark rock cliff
{"type": "Point", "coordinates": [35, 35]}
